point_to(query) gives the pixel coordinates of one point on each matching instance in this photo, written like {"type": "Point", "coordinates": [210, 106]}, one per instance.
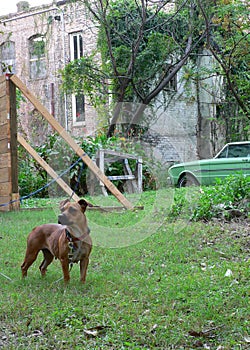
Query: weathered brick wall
{"type": "Point", "coordinates": [55, 23]}
{"type": "Point", "coordinates": [173, 134]}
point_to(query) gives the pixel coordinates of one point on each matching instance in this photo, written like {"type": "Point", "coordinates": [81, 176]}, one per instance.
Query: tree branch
{"type": "Point", "coordinates": [225, 68]}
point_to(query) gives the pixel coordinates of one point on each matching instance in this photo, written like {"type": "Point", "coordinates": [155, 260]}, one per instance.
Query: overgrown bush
{"type": "Point", "coordinates": [31, 177]}
{"type": "Point", "coordinates": [228, 199]}
{"type": "Point", "coordinates": [55, 152]}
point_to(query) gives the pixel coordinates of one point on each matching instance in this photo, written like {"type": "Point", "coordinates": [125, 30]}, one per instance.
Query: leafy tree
{"type": "Point", "coordinates": [227, 23]}
{"type": "Point", "coordinates": [143, 45]}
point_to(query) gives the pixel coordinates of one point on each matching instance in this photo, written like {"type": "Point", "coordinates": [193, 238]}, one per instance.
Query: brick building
{"type": "Point", "coordinates": [51, 36]}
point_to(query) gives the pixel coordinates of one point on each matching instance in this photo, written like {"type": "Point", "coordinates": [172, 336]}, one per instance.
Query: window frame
{"type": "Point", "coordinates": [76, 52]}
{"type": "Point", "coordinates": [10, 61]}
{"type": "Point", "coordinates": [35, 60]}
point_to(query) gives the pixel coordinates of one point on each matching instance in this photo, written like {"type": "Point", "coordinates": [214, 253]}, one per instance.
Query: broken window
{"type": "Point", "coordinates": [37, 57]}
{"type": "Point", "coordinates": [8, 57]}
{"type": "Point", "coordinates": [78, 101]}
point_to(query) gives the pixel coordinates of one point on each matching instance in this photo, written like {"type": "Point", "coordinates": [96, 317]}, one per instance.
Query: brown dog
{"type": "Point", "coordinates": [69, 241]}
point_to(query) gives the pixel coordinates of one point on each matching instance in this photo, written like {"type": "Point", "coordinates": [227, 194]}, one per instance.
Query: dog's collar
{"type": "Point", "coordinates": [72, 238]}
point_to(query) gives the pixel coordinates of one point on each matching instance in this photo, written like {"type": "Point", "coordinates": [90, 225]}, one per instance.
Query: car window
{"type": "Point", "coordinates": [236, 151]}
{"type": "Point", "coordinates": [223, 153]}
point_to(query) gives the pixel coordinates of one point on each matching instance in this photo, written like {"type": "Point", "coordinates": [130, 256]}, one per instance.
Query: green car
{"type": "Point", "coordinates": [233, 158]}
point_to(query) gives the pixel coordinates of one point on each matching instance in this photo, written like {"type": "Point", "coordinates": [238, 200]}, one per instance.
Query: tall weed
{"type": "Point", "coordinates": [231, 195]}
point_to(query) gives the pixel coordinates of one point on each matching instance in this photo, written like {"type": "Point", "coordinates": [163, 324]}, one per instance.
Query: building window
{"type": "Point", "coordinates": [78, 107]}
{"type": "Point", "coordinates": [37, 57]}
{"type": "Point", "coordinates": [76, 46]}
{"type": "Point", "coordinates": [8, 57]}
{"type": "Point", "coordinates": [78, 101]}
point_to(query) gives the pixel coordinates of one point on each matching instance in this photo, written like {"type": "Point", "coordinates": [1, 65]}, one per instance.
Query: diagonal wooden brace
{"type": "Point", "coordinates": [71, 142]}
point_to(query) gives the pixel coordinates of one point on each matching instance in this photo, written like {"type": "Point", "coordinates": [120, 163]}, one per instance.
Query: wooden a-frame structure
{"type": "Point", "coordinates": [8, 146]}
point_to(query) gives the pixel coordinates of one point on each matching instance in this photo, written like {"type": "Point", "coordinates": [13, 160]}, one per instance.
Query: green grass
{"type": "Point", "coordinates": [163, 286]}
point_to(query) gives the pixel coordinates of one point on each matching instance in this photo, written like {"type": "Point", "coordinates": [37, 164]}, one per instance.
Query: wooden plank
{"type": "Point", "coordinates": [11, 93]}
{"type": "Point", "coordinates": [2, 91]}
{"type": "Point", "coordinates": [5, 161]}
{"type": "Point", "coordinates": [5, 191]}
{"type": "Point", "coordinates": [118, 154]}
{"type": "Point", "coordinates": [112, 208]}
{"type": "Point", "coordinates": [4, 130]}
{"type": "Point", "coordinates": [3, 122]}
{"type": "Point", "coordinates": [48, 169]}
{"type": "Point", "coordinates": [4, 146]}
{"type": "Point", "coordinates": [15, 205]}
{"type": "Point", "coordinates": [3, 109]}
{"type": "Point", "coordinates": [5, 188]}
{"type": "Point", "coordinates": [139, 174]}
{"type": "Point", "coordinates": [4, 175]}
{"type": "Point", "coordinates": [131, 186]}
{"type": "Point", "coordinates": [121, 177]}
{"type": "Point", "coordinates": [66, 136]}
{"type": "Point", "coordinates": [4, 200]}
{"type": "Point", "coordinates": [2, 86]}
{"type": "Point", "coordinates": [101, 166]}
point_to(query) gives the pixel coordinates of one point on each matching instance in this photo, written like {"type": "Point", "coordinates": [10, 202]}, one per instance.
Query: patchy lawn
{"type": "Point", "coordinates": [151, 284]}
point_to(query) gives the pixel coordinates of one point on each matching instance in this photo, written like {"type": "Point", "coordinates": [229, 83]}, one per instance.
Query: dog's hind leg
{"type": "Point", "coordinates": [48, 258]}
{"type": "Point", "coordinates": [28, 261]}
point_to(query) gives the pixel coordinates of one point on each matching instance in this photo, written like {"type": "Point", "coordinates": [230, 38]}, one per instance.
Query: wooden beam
{"type": "Point", "coordinates": [121, 177]}
{"type": "Point", "coordinates": [139, 174]}
{"type": "Point", "coordinates": [118, 154]}
{"type": "Point", "coordinates": [112, 208]}
{"type": "Point", "coordinates": [11, 90]}
{"type": "Point", "coordinates": [8, 144]}
{"type": "Point", "coordinates": [70, 141]}
{"type": "Point", "coordinates": [46, 167]}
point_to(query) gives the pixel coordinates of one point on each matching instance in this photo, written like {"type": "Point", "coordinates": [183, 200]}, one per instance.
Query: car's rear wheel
{"type": "Point", "coordinates": [187, 180]}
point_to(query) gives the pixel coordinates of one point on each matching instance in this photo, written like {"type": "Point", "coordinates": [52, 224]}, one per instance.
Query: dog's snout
{"type": "Point", "coordinates": [60, 219]}
{"type": "Point", "coordinates": [64, 219]}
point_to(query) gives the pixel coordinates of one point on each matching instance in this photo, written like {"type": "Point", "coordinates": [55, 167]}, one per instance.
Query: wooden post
{"type": "Point", "coordinates": [66, 136]}
{"type": "Point", "coordinates": [100, 156]}
{"type": "Point", "coordinates": [139, 174]}
{"type": "Point", "coordinates": [9, 197]}
{"type": "Point", "coordinates": [129, 177]}
{"type": "Point", "coordinates": [131, 185]}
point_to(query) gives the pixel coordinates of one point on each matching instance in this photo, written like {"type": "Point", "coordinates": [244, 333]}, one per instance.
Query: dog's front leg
{"type": "Point", "coordinates": [65, 267]}
{"type": "Point", "coordinates": [83, 268]}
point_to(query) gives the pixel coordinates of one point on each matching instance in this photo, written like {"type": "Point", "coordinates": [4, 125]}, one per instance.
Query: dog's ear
{"type": "Point", "coordinates": [62, 203]}
{"type": "Point", "coordinates": [83, 204]}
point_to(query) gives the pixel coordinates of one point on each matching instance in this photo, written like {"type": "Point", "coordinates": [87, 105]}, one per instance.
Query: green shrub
{"type": "Point", "coordinates": [56, 152]}
{"type": "Point", "coordinates": [232, 194]}
{"type": "Point", "coordinates": [30, 178]}
{"type": "Point", "coordinates": [226, 199]}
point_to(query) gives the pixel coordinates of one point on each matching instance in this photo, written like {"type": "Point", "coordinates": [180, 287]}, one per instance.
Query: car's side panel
{"type": "Point", "coordinates": [207, 171]}
{"type": "Point", "coordinates": [232, 159]}
{"type": "Point", "coordinates": [220, 168]}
